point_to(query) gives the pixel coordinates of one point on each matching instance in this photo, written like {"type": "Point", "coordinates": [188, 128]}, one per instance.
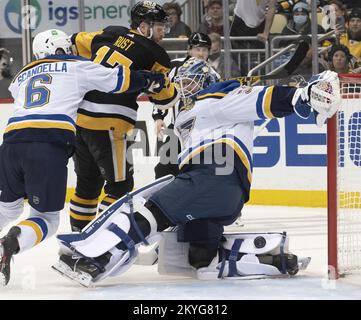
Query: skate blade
{"type": "Point", "coordinates": [3, 282]}
{"type": "Point", "coordinates": [258, 277]}
{"type": "Point", "coordinates": [303, 263]}
{"type": "Point", "coordinates": [81, 278]}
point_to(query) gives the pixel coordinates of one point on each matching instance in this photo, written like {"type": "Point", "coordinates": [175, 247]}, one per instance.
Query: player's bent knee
{"type": "Point", "coordinates": [51, 219]}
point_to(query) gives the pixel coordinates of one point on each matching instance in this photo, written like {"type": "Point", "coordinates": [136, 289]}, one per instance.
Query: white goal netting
{"type": "Point", "coordinates": [349, 176]}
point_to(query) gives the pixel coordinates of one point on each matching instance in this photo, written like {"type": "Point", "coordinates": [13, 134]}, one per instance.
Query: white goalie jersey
{"type": "Point", "coordinates": [225, 113]}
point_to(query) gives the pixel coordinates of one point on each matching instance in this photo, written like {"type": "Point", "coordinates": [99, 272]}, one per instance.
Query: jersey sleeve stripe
{"type": "Point", "coordinates": [126, 79]}
{"type": "Point", "coordinates": [259, 103]}
{"type": "Point", "coordinates": [267, 102]}
{"type": "Point", "coordinates": [217, 95]}
{"type": "Point", "coordinates": [120, 81]}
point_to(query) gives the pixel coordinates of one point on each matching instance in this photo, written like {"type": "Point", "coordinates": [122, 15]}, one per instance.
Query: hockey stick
{"type": "Point", "coordinates": [286, 70]}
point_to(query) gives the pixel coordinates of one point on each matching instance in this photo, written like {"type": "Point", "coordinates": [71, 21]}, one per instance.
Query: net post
{"type": "Point", "coordinates": [332, 197]}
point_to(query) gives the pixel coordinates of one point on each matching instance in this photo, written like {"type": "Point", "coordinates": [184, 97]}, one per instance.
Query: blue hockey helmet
{"type": "Point", "coordinates": [194, 76]}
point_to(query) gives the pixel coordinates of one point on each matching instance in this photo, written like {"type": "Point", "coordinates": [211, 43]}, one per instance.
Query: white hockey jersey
{"type": "Point", "coordinates": [47, 93]}
{"type": "Point", "coordinates": [225, 113]}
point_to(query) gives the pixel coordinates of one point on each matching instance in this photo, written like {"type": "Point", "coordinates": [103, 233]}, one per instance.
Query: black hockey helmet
{"type": "Point", "coordinates": [199, 39]}
{"type": "Point", "coordinates": [147, 11]}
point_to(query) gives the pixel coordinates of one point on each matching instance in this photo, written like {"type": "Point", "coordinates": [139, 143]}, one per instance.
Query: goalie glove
{"type": "Point", "coordinates": [322, 94]}
{"type": "Point", "coordinates": [155, 81]}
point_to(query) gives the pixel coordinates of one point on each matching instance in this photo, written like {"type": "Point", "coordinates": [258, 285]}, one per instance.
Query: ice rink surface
{"type": "Point", "coordinates": [32, 277]}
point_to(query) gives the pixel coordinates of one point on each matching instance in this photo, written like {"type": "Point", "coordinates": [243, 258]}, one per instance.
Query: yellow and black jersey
{"type": "Point", "coordinates": [119, 45]}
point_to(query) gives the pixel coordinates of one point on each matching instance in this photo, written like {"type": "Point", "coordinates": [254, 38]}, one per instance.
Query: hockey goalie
{"type": "Point", "coordinates": [215, 126]}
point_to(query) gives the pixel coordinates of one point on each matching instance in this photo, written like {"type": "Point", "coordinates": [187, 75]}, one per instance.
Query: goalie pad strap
{"type": "Point", "coordinates": [133, 222]}
{"type": "Point", "coordinates": [233, 258]}
{"type": "Point", "coordinates": [147, 214]}
{"type": "Point", "coordinates": [128, 241]}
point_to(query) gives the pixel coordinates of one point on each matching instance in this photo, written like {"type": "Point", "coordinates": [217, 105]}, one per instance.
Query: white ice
{"type": "Point", "coordinates": [32, 277]}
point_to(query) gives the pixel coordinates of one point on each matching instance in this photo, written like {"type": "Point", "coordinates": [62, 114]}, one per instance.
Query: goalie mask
{"type": "Point", "coordinates": [51, 42]}
{"type": "Point", "coordinates": [194, 76]}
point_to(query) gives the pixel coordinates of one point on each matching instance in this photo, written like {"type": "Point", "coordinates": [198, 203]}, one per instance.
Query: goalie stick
{"type": "Point", "coordinates": [286, 70]}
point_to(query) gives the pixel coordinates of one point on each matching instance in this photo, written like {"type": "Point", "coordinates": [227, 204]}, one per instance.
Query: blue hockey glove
{"type": "Point", "coordinates": [155, 81]}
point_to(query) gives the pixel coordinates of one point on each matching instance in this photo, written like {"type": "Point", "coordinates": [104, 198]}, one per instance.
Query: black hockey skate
{"type": "Point", "coordinates": [291, 263]}
{"type": "Point", "coordinates": [81, 269]}
{"type": "Point", "coordinates": [9, 245]}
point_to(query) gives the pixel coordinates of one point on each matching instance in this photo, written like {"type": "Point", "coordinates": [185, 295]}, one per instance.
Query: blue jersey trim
{"type": "Point", "coordinates": [229, 136]}
{"type": "Point", "coordinates": [120, 80]}
{"type": "Point", "coordinates": [56, 117]}
{"type": "Point", "coordinates": [259, 104]}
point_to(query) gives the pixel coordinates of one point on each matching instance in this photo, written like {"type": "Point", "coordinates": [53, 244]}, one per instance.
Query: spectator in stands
{"type": "Point", "coordinates": [251, 18]}
{"type": "Point", "coordinates": [5, 61]}
{"type": "Point", "coordinates": [214, 18]}
{"type": "Point", "coordinates": [299, 24]}
{"type": "Point", "coordinates": [351, 4]}
{"type": "Point", "coordinates": [216, 57]}
{"type": "Point", "coordinates": [178, 29]}
{"type": "Point", "coordinates": [285, 6]}
{"type": "Point", "coordinates": [339, 10]}
{"type": "Point", "coordinates": [339, 59]}
{"type": "Point", "coordinates": [5, 74]}
{"type": "Point", "coordinates": [352, 38]}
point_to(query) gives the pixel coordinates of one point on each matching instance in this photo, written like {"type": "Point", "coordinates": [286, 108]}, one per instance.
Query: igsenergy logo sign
{"type": "Point", "coordinates": [45, 14]}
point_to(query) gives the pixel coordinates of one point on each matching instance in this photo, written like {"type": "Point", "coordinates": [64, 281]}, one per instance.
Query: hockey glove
{"type": "Point", "coordinates": [322, 94]}
{"type": "Point", "coordinates": [155, 81]}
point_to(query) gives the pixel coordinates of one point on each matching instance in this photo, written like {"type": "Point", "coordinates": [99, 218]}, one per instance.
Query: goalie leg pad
{"type": "Point", "coordinates": [244, 255]}
{"type": "Point", "coordinates": [98, 237]}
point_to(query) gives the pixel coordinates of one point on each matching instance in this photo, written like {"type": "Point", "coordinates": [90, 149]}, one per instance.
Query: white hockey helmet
{"type": "Point", "coordinates": [48, 42]}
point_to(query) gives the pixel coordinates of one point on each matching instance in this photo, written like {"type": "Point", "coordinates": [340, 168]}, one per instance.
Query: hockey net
{"type": "Point", "coordinates": [344, 181]}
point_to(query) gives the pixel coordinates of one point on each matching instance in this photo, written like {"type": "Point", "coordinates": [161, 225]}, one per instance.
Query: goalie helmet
{"type": "Point", "coordinates": [48, 42]}
{"type": "Point", "coordinates": [147, 11]}
{"type": "Point", "coordinates": [193, 76]}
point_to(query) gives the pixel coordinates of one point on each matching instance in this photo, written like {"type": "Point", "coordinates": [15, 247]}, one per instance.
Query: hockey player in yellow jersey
{"type": "Point", "coordinates": [40, 136]}
{"type": "Point", "coordinates": [104, 121]}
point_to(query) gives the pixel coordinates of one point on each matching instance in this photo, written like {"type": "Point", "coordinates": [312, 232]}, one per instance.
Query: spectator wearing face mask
{"type": "Point", "coordinates": [299, 24]}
